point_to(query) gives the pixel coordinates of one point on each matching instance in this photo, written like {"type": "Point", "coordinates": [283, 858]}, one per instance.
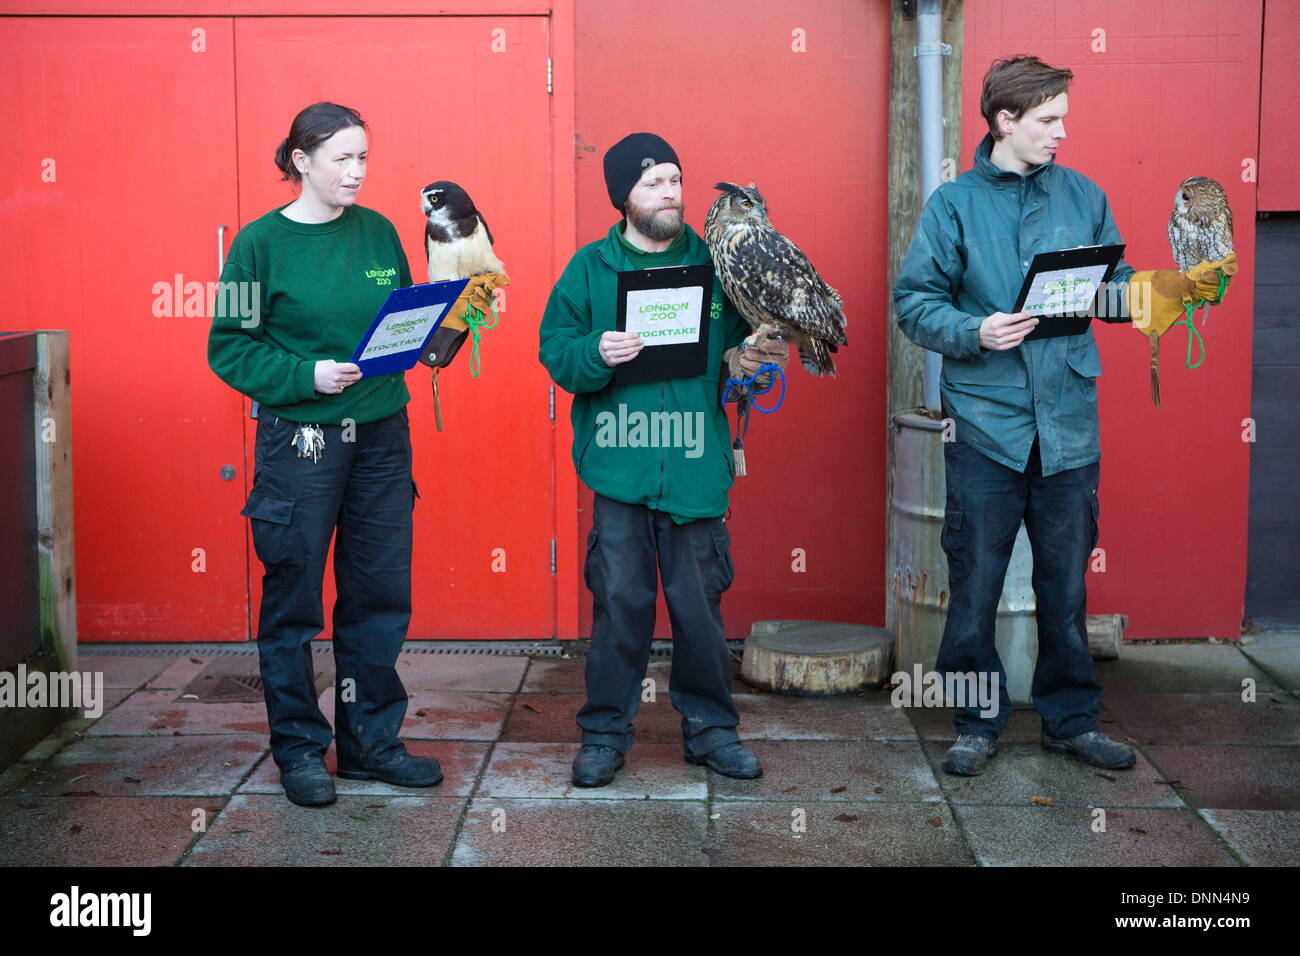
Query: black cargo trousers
{"type": "Point", "coordinates": [364, 488]}
{"type": "Point", "coordinates": [628, 549]}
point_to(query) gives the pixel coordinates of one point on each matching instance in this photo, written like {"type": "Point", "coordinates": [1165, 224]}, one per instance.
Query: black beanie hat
{"type": "Point", "coordinates": [629, 158]}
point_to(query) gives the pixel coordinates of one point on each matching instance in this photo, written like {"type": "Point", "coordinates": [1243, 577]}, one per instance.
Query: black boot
{"type": "Point", "coordinates": [308, 784]}
{"type": "Point", "coordinates": [406, 771]}
{"type": "Point", "coordinates": [969, 754]}
{"type": "Point", "coordinates": [731, 760]}
{"type": "Point", "coordinates": [596, 765]}
{"type": "Point", "coordinates": [1093, 748]}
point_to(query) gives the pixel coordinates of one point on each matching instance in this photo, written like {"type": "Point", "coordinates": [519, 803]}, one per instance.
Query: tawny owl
{"type": "Point", "coordinates": [770, 280]}
{"type": "Point", "coordinates": [1200, 227]}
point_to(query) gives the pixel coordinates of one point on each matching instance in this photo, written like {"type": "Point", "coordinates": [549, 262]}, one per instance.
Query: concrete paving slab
{"type": "Point", "coordinates": [98, 831]}
{"type": "Point", "coordinates": [552, 675]}
{"type": "Point", "coordinates": [81, 724]}
{"type": "Point", "coordinates": [550, 718]}
{"type": "Point", "coordinates": [1273, 637]}
{"type": "Point", "coordinates": [1024, 726]}
{"type": "Point", "coordinates": [1178, 669]}
{"type": "Point", "coordinates": [452, 715]}
{"type": "Point", "coordinates": [1021, 771]}
{"type": "Point", "coordinates": [179, 673]}
{"type": "Point", "coordinates": [160, 713]}
{"type": "Point", "coordinates": [1259, 837]}
{"type": "Point", "coordinates": [887, 771]}
{"type": "Point", "coordinates": [779, 717]}
{"type": "Point", "coordinates": [1232, 777]}
{"type": "Point", "coordinates": [750, 833]}
{"type": "Point", "coordinates": [146, 766]}
{"type": "Point", "coordinates": [1281, 661]}
{"type": "Point", "coordinates": [583, 833]}
{"type": "Point", "coordinates": [122, 671]}
{"type": "Point", "coordinates": [1272, 718]}
{"type": "Point", "coordinates": [463, 672]}
{"type": "Point", "coordinates": [266, 830]}
{"type": "Point", "coordinates": [532, 770]}
{"type": "Point", "coordinates": [567, 676]}
{"type": "Point", "coordinates": [1063, 836]}
{"type": "Point", "coordinates": [460, 762]}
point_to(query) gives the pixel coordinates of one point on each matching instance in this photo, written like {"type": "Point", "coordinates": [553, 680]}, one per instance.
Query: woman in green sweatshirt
{"type": "Point", "coordinates": [333, 453]}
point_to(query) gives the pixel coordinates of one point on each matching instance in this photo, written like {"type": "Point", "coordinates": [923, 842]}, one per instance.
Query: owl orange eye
{"type": "Point", "coordinates": [746, 203]}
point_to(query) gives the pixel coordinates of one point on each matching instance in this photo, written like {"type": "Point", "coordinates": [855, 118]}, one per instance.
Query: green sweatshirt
{"type": "Point", "coordinates": [665, 445]}
{"type": "Point", "coordinates": [318, 288]}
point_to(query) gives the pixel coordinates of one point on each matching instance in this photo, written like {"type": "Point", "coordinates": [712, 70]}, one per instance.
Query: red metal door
{"type": "Point", "coordinates": [464, 99]}
{"type": "Point", "coordinates": [125, 167]}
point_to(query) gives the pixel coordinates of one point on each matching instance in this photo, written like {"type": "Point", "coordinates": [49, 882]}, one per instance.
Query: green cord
{"type": "Point", "coordinates": [476, 322]}
{"type": "Point", "coordinates": [1192, 309]}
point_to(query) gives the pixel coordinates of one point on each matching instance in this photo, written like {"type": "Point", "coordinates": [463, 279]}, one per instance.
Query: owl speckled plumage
{"type": "Point", "coordinates": [770, 280]}
{"type": "Point", "coordinates": [1200, 227]}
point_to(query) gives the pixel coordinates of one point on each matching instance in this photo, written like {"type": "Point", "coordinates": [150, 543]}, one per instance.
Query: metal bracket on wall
{"type": "Point", "coordinates": [930, 49]}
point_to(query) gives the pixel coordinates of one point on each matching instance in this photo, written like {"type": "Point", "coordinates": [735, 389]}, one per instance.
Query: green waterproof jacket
{"type": "Point", "coordinates": [969, 256]}
{"type": "Point", "coordinates": [664, 445]}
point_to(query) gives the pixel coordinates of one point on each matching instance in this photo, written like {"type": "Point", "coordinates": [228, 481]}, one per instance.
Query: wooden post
{"type": "Point", "coordinates": [905, 368]}
{"type": "Point", "coordinates": [53, 434]}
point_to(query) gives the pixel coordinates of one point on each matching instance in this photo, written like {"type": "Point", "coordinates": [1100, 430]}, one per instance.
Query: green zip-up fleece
{"type": "Point", "coordinates": [318, 288]}
{"type": "Point", "coordinates": [690, 477]}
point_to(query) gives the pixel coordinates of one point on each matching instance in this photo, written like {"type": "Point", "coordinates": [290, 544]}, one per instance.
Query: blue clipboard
{"type": "Point", "coordinates": [402, 337]}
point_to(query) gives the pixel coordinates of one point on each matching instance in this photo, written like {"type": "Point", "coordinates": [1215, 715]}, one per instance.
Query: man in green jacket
{"type": "Point", "coordinates": [657, 455]}
{"type": "Point", "coordinates": [1025, 412]}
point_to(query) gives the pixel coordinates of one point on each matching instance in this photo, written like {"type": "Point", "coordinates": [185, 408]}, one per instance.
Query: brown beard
{"type": "Point", "coordinates": [650, 225]}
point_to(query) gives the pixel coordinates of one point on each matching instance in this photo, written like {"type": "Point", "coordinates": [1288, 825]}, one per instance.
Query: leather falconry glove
{"type": "Point", "coordinates": [451, 335]}
{"type": "Point", "coordinates": [1160, 298]}
{"type": "Point", "coordinates": [454, 330]}
{"type": "Point", "coordinates": [745, 359]}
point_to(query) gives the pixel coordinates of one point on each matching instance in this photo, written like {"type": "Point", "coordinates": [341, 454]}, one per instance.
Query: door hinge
{"type": "Point", "coordinates": [549, 76]}
{"type": "Point", "coordinates": [552, 555]}
{"type": "Point", "coordinates": [551, 412]}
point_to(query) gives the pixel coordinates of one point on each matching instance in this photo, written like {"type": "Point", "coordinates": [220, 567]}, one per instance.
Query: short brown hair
{"type": "Point", "coordinates": [1019, 83]}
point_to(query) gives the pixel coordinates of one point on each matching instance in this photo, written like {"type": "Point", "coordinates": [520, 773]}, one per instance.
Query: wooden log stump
{"type": "Point", "coordinates": [817, 658]}
{"type": "Point", "coordinates": [1105, 634]}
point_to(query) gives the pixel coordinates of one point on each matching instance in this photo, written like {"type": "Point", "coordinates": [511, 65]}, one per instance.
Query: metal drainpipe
{"type": "Point", "coordinates": [929, 52]}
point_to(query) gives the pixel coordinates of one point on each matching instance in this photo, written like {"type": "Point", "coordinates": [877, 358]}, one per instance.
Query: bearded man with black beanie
{"type": "Point", "coordinates": [658, 510]}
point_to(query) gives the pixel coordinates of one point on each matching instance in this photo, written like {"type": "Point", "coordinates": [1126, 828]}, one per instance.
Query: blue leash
{"type": "Point", "coordinates": [734, 391]}
{"type": "Point", "coordinates": [743, 392]}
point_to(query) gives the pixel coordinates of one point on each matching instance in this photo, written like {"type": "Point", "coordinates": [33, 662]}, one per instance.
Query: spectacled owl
{"type": "Point", "coordinates": [1200, 227]}
{"type": "Point", "coordinates": [770, 280]}
{"type": "Point", "coordinates": [457, 241]}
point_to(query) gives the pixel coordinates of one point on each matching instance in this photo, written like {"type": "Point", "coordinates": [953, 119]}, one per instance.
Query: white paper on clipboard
{"type": "Point", "coordinates": [1064, 291]}
{"type": "Point", "coordinates": [666, 316]}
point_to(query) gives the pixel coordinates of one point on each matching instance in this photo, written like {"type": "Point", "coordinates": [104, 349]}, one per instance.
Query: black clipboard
{"type": "Point", "coordinates": [656, 362]}
{"type": "Point", "coordinates": [1051, 325]}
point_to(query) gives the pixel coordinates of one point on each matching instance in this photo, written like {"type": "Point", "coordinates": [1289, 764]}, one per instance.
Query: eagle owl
{"type": "Point", "coordinates": [1200, 227]}
{"type": "Point", "coordinates": [457, 241]}
{"type": "Point", "coordinates": [770, 280]}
